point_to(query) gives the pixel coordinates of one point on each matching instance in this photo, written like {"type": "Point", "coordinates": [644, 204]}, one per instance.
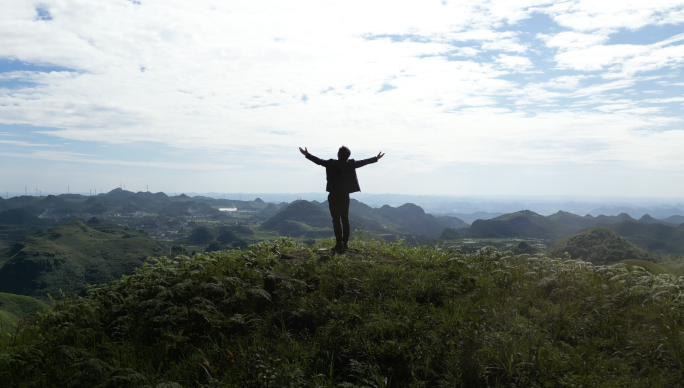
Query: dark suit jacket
{"type": "Point", "coordinates": [341, 176]}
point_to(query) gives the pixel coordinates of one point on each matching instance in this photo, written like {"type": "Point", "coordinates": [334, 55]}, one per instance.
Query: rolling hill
{"type": "Point", "coordinates": [72, 255]}
{"type": "Point", "coordinates": [598, 245]}
{"type": "Point", "coordinates": [302, 212]}
{"type": "Point", "coordinates": [14, 307]}
{"type": "Point", "coordinates": [19, 217]}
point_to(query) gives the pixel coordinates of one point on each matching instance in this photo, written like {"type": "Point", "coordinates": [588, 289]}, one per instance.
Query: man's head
{"type": "Point", "coordinates": [343, 153]}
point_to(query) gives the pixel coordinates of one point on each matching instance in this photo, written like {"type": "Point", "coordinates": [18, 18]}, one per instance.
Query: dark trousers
{"type": "Point", "coordinates": [339, 210]}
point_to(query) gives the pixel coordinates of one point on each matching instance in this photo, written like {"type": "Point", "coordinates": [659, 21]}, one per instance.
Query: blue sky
{"type": "Point", "coordinates": [576, 98]}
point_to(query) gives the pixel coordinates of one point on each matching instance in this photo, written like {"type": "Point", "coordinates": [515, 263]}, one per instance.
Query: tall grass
{"type": "Point", "coordinates": [389, 315]}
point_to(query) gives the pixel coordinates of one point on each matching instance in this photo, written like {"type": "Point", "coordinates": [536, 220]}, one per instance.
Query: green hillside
{"type": "Point", "coordinates": [298, 218]}
{"type": "Point", "coordinates": [70, 256]}
{"type": "Point", "coordinates": [653, 237]}
{"type": "Point", "coordinates": [19, 217]}
{"type": "Point", "coordinates": [385, 315]}
{"type": "Point", "coordinates": [7, 322]}
{"type": "Point", "coordinates": [452, 222]}
{"type": "Point", "coordinates": [14, 307]}
{"type": "Point", "coordinates": [21, 305]}
{"type": "Point", "coordinates": [598, 245]}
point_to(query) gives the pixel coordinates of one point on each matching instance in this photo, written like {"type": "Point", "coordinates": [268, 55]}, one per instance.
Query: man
{"type": "Point", "coordinates": [341, 177]}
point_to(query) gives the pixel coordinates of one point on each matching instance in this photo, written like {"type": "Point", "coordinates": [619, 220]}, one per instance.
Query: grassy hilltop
{"type": "Point", "coordinates": [383, 315]}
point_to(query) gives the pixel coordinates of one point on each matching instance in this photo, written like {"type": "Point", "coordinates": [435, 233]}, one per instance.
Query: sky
{"type": "Point", "coordinates": [512, 97]}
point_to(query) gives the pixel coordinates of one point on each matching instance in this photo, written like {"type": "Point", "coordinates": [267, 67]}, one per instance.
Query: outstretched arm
{"type": "Point", "coordinates": [361, 163]}
{"type": "Point", "coordinates": [312, 158]}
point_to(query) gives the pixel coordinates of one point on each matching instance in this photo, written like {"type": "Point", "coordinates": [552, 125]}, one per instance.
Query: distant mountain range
{"type": "Point", "coordinates": [312, 219]}
{"type": "Point", "coordinates": [19, 210]}
{"type": "Point", "coordinates": [646, 232]}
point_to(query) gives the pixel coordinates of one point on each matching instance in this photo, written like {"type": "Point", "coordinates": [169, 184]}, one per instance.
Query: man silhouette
{"type": "Point", "coordinates": [341, 176]}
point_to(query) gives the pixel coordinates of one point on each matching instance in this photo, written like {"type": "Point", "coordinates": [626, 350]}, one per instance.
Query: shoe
{"type": "Point", "coordinates": [339, 248]}
{"type": "Point", "coordinates": [344, 245]}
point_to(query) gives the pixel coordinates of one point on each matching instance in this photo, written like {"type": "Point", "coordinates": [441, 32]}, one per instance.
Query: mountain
{"type": "Point", "coordinates": [647, 219]}
{"type": "Point", "coordinates": [72, 255]}
{"type": "Point", "coordinates": [186, 208]}
{"type": "Point", "coordinates": [300, 218]}
{"type": "Point", "coordinates": [413, 218]}
{"type": "Point", "coordinates": [120, 193]}
{"type": "Point", "coordinates": [470, 217]}
{"type": "Point", "coordinates": [19, 217]}
{"type": "Point", "coordinates": [658, 212]}
{"type": "Point", "coordinates": [598, 245]}
{"type": "Point", "coordinates": [299, 211]}
{"type": "Point", "coordinates": [405, 219]}
{"type": "Point", "coordinates": [606, 220]}
{"type": "Point", "coordinates": [676, 220]}
{"type": "Point", "coordinates": [452, 222]}
{"type": "Point", "coordinates": [560, 224]}
{"type": "Point", "coordinates": [653, 237]}
{"type": "Point", "coordinates": [571, 221]}
{"type": "Point", "coordinates": [524, 223]}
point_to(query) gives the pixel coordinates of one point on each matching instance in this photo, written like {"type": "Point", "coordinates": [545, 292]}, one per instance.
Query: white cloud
{"type": "Point", "coordinates": [81, 158]}
{"type": "Point", "coordinates": [571, 40]}
{"type": "Point", "coordinates": [591, 15]}
{"type": "Point", "coordinates": [231, 76]}
{"type": "Point", "coordinates": [514, 62]}
{"type": "Point", "coordinates": [24, 143]}
{"type": "Point", "coordinates": [664, 100]}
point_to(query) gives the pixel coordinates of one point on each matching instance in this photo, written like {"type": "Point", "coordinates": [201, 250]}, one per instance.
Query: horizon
{"type": "Point", "coordinates": [577, 100]}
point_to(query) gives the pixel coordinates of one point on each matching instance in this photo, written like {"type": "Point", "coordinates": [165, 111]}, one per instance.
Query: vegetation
{"type": "Point", "coordinates": [15, 307]}
{"type": "Point", "coordinates": [598, 245]}
{"type": "Point", "coordinates": [72, 255]}
{"type": "Point", "coordinates": [7, 321]}
{"type": "Point", "coordinates": [384, 315]}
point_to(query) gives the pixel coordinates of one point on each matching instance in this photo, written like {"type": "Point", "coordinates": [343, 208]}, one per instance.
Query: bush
{"type": "Point", "coordinates": [383, 315]}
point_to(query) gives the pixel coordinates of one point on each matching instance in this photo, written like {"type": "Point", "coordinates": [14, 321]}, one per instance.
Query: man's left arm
{"type": "Point", "coordinates": [361, 163]}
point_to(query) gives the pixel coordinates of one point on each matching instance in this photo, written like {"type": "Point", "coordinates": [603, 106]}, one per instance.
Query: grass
{"type": "Point", "coordinates": [654, 268]}
{"type": "Point", "coordinates": [384, 315]}
{"type": "Point", "coordinates": [21, 305]}
{"type": "Point", "coordinates": [7, 321]}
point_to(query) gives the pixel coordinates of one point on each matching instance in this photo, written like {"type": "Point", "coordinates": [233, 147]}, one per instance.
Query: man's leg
{"type": "Point", "coordinates": [334, 204]}
{"type": "Point", "coordinates": [344, 214]}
